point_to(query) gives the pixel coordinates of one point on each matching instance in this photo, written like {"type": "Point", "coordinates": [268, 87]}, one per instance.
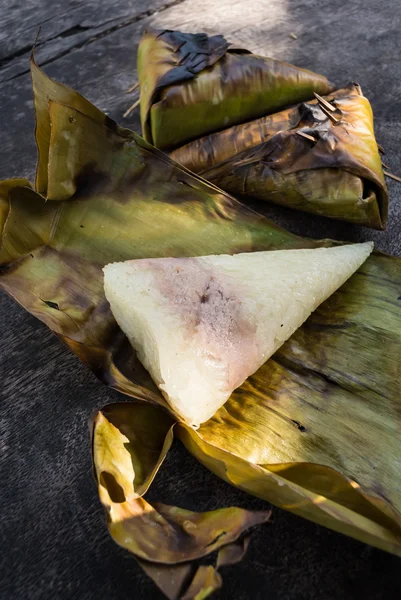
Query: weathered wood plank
{"type": "Point", "coordinates": [62, 29]}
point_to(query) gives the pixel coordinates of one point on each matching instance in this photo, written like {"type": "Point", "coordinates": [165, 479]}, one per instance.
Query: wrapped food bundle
{"type": "Point", "coordinates": [321, 161]}
{"type": "Point", "coordinates": [319, 156]}
{"type": "Point", "coordinates": [192, 84]}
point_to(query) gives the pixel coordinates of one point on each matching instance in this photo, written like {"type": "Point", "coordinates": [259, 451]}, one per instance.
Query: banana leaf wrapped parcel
{"type": "Point", "coordinates": [320, 160]}
{"type": "Point", "coordinates": [193, 84]}
{"type": "Point", "coordinates": [211, 108]}
{"type": "Point", "coordinates": [315, 430]}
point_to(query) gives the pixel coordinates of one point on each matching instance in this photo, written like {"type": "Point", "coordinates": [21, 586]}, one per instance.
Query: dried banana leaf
{"type": "Point", "coordinates": [192, 84]}
{"type": "Point", "coordinates": [315, 430]}
{"type": "Point", "coordinates": [301, 158]}
{"type": "Point", "coordinates": [153, 207]}
{"type": "Point", "coordinates": [130, 442]}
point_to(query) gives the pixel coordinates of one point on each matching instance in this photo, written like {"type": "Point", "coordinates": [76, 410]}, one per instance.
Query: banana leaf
{"type": "Point", "coordinates": [306, 157]}
{"type": "Point", "coordinates": [130, 442]}
{"type": "Point", "coordinates": [192, 84]}
{"type": "Point", "coordinates": [315, 431]}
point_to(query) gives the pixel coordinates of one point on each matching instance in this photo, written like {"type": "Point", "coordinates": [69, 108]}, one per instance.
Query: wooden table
{"type": "Point", "coordinates": [54, 540]}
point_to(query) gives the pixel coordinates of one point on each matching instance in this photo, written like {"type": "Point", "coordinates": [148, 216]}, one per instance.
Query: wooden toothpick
{"type": "Point", "coordinates": [325, 103]}
{"type": "Point", "coordinates": [329, 114]}
{"type": "Point", "coordinates": [392, 176]}
{"type": "Point", "coordinates": [132, 88]}
{"type": "Point", "coordinates": [131, 108]}
{"type": "Point", "coordinates": [307, 136]}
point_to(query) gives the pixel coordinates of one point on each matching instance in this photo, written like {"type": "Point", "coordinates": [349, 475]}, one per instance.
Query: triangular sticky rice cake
{"type": "Point", "coordinates": [202, 325]}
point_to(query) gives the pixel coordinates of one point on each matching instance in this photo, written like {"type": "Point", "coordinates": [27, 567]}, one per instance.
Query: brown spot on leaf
{"type": "Point", "coordinates": [90, 180]}
{"type": "Point", "coordinates": [298, 425]}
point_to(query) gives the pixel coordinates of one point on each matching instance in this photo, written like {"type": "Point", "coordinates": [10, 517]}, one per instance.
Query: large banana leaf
{"type": "Point", "coordinates": [192, 84]}
{"type": "Point", "coordinates": [301, 158]}
{"type": "Point", "coordinates": [316, 430]}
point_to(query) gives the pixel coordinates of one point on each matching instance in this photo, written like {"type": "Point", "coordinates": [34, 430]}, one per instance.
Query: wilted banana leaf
{"type": "Point", "coordinates": [316, 430]}
{"type": "Point", "coordinates": [307, 157]}
{"type": "Point", "coordinates": [153, 207]}
{"type": "Point", "coordinates": [192, 84]}
{"type": "Point", "coordinates": [130, 442]}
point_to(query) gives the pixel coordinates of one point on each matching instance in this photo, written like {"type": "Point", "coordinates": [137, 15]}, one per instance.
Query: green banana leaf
{"type": "Point", "coordinates": [316, 430]}
{"type": "Point", "coordinates": [301, 158]}
{"type": "Point", "coordinates": [192, 84]}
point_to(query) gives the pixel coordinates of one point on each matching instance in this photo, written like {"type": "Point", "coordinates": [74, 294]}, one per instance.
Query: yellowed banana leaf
{"type": "Point", "coordinates": [130, 442]}
{"type": "Point", "coordinates": [316, 430]}
{"type": "Point", "coordinates": [317, 159]}
{"type": "Point", "coordinates": [192, 84]}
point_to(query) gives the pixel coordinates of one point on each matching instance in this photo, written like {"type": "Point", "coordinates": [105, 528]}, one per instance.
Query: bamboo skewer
{"type": "Point", "coordinates": [131, 108]}
{"type": "Point", "coordinates": [392, 176]}
{"type": "Point", "coordinates": [307, 136]}
{"type": "Point", "coordinates": [324, 103]}
{"type": "Point", "coordinates": [132, 88]}
{"type": "Point", "coordinates": [329, 114]}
